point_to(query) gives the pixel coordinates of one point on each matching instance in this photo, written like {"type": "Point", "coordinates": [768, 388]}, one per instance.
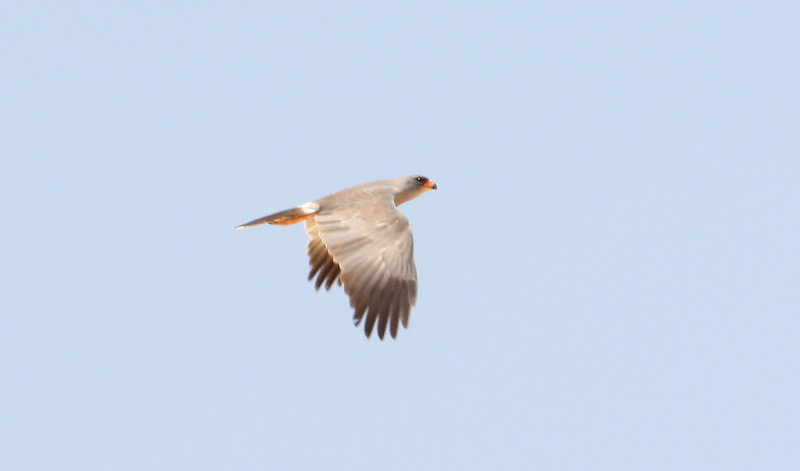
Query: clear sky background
{"type": "Point", "coordinates": [609, 270]}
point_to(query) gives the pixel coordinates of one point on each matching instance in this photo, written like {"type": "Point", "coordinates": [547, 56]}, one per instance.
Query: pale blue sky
{"type": "Point", "coordinates": [608, 272]}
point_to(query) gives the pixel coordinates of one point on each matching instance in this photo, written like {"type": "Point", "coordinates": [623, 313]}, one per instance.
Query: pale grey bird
{"type": "Point", "coordinates": [361, 240]}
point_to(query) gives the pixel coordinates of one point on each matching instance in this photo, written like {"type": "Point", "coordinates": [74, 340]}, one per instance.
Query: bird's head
{"type": "Point", "coordinates": [410, 187]}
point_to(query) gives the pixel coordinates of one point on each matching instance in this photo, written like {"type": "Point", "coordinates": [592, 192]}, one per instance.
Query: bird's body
{"type": "Point", "coordinates": [361, 240]}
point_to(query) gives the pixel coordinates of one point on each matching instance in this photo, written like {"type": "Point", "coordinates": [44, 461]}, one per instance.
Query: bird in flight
{"type": "Point", "coordinates": [361, 240]}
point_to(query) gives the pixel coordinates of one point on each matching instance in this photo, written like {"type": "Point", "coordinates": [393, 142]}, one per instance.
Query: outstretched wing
{"type": "Point", "coordinates": [370, 249]}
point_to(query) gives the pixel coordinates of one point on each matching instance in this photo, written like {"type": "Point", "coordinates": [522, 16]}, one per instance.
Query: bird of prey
{"type": "Point", "coordinates": [361, 240]}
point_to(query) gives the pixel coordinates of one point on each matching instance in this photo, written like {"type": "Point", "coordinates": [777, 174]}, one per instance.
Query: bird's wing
{"type": "Point", "coordinates": [322, 265]}
{"type": "Point", "coordinates": [368, 246]}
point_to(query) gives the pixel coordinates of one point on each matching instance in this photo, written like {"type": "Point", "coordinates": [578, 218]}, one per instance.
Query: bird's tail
{"type": "Point", "coordinates": [286, 217]}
